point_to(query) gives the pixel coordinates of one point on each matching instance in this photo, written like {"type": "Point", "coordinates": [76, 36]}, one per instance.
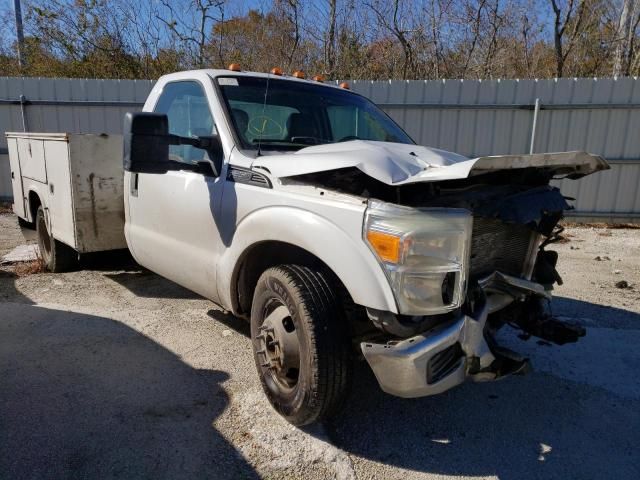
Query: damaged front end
{"type": "Point", "coordinates": [459, 275]}
{"type": "Point", "coordinates": [463, 245]}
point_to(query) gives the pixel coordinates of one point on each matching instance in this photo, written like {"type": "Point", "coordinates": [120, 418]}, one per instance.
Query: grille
{"type": "Point", "coordinates": [443, 363]}
{"type": "Point", "coordinates": [496, 245]}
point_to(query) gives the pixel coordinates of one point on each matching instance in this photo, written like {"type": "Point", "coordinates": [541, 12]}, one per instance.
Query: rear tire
{"type": "Point", "coordinates": [57, 256]}
{"type": "Point", "coordinates": [300, 343]}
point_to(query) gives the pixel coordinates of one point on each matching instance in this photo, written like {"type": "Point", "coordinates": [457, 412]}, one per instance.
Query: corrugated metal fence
{"type": "Point", "coordinates": [474, 118]}
{"type": "Point", "coordinates": [63, 105]}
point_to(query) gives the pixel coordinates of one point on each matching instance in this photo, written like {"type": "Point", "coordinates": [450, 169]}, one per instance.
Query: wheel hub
{"type": "Point", "coordinates": [279, 350]}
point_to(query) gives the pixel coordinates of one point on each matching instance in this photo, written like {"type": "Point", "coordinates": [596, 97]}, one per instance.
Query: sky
{"type": "Point", "coordinates": [239, 7]}
{"type": "Point", "coordinates": [234, 7]}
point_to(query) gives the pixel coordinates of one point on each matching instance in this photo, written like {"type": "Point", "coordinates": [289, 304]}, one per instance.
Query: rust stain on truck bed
{"type": "Point", "coordinates": [92, 196]}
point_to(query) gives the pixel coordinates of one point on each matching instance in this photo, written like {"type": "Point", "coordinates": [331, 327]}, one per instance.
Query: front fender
{"type": "Point", "coordinates": [343, 252]}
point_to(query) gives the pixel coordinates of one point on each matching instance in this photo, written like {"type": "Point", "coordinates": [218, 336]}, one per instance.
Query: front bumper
{"type": "Point", "coordinates": [449, 354]}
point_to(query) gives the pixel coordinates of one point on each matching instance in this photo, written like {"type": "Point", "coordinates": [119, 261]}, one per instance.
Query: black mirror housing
{"type": "Point", "coordinates": [146, 142]}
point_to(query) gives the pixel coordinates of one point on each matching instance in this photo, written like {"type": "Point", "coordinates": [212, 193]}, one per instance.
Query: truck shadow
{"type": "Point", "coordinates": [238, 325]}
{"type": "Point", "coordinates": [119, 266]}
{"type": "Point", "coordinates": [108, 260]}
{"type": "Point", "coordinates": [87, 397]}
{"type": "Point", "coordinates": [594, 314]}
{"type": "Point", "coordinates": [8, 290]}
{"type": "Point", "coordinates": [145, 284]}
{"type": "Point", "coordinates": [563, 424]}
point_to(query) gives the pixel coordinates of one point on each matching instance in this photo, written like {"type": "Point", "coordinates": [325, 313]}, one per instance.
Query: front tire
{"type": "Point", "coordinates": [300, 343]}
{"type": "Point", "coordinates": [57, 256]}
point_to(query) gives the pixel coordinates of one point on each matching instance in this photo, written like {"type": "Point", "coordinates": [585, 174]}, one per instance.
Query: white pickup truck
{"type": "Point", "coordinates": [305, 209]}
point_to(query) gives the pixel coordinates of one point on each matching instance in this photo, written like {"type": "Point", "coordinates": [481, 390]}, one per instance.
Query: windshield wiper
{"type": "Point", "coordinates": [302, 141]}
{"type": "Point", "coordinates": [268, 140]}
{"type": "Point", "coordinates": [308, 140]}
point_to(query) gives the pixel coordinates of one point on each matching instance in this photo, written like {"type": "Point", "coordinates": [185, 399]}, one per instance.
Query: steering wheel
{"type": "Point", "coordinates": [262, 125]}
{"type": "Point", "coordinates": [348, 138]}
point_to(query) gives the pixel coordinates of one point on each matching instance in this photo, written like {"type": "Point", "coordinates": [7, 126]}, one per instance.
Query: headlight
{"type": "Point", "coordinates": [424, 251]}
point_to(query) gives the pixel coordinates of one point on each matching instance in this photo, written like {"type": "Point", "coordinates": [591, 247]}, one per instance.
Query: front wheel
{"type": "Point", "coordinates": [300, 343]}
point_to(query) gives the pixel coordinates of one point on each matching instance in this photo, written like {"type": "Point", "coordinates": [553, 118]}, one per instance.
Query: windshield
{"type": "Point", "coordinates": [294, 115]}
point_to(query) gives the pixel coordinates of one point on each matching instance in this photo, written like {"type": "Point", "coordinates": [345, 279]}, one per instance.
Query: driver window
{"type": "Point", "coordinates": [187, 110]}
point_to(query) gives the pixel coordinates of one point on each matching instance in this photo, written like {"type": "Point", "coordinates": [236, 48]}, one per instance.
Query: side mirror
{"type": "Point", "coordinates": [146, 146]}
{"type": "Point", "coordinates": [146, 142]}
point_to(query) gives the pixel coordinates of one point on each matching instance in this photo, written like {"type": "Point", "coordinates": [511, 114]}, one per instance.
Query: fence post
{"type": "Point", "coordinates": [536, 109]}
{"type": "Point", "coordinates": [23, 104]}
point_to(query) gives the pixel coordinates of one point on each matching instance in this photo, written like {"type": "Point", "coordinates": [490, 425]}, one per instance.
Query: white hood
{"type": "Point", "coordinates": [398, 164]}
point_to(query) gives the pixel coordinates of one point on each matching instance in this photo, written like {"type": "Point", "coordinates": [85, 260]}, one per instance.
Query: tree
{"type": "Point", "coordinates": [394, 17]}
{"type": "Point", "coordinates": [570, 16]}
{"type": "Point", "coordinates": [191, 24]}
{"type": "Point", "coordinates": [330, 39]}
{"type": "Point", "coordinates": [626, 35]}
{"type": "Point", "coordinates": [359, 39]}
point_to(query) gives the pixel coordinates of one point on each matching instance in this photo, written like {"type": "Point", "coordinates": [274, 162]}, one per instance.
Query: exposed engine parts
{"type": "Point", "coordinates": [510, 275]}
{"type": "Point", "coordinates": [533, 318]}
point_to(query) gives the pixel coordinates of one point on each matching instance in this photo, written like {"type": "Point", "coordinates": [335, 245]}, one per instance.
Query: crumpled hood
{"type": "Point", "coordinates": [398, 164]}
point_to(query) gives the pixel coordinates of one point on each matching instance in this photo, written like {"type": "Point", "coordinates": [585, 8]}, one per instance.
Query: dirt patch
{"type": "Point", "coordinates": [29, 267]}
{"type": "Point", "coordinates": [612, 226]}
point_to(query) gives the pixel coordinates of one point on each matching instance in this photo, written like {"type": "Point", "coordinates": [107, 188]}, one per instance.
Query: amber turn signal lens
{"type": "Point", "coordinates": [276, 71]}
{"type": "Point", "coordinates": [387, 246]}
{"type": "Point", "coordinates": [319, 78]}
{"type": "Point", "coordinates": [234, 67]}
{"type": "Point", "coordinates": [298, 74]}
{"type": "Point", "coordinates": [345, 85]}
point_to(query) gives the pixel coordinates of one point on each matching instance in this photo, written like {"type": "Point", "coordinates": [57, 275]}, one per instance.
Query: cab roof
{"type": "Point", "coordinates": [214, 73]}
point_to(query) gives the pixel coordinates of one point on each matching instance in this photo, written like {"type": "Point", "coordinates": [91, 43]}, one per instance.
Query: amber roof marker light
{"type": "Point", "coordinates": [276, 71]}
{"type": "Point", "coordinates": [319, 78]}
{"type": "Point", "coordinates": [298, 74]}
{"type": "Point", "coordinates": [234, 67]}
{"type": "Point", "coordinates": [345, 85]}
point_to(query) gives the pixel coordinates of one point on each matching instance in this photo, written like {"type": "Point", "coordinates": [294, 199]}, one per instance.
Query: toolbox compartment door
{"type": "Point", "coordinates": [59, 196]}
{"type": "Point", "coordinates": [31, 154]}
{"type": "Point", "coordinates": [16, 179]}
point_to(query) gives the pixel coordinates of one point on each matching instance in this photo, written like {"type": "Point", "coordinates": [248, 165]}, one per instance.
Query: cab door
{"type": "Point", "coordinates": [172, 226]}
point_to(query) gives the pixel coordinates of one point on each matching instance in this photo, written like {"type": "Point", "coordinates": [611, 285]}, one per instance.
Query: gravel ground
{"type": "Point", "coordinates": [114, 372]}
